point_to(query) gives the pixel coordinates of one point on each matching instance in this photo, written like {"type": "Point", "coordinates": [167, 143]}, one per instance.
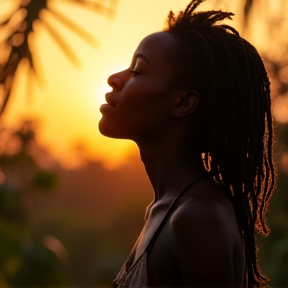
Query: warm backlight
{"type": "Point", "coordinates": [67, 97]}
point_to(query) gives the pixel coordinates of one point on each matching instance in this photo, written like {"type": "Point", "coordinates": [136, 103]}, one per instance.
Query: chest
{"type": "Point", "coordinates": [154, 242]}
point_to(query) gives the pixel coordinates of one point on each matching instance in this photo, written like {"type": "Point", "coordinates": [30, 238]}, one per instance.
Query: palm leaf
{"type": "Point", "coordinates": [17, 26]}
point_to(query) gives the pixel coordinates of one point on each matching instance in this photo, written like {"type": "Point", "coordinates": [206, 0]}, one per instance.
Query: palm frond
{"type": "Point", "coordinates": [105, 7]}
{"type": "Point", "coordinates": [74, 27]}
{"type": "Point", "coordinates": [16, 27]}
{"type": "Point", "coordinates": [62, 43]}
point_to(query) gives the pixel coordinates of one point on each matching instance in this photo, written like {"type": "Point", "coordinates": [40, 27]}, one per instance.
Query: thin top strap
{"type": "Point", "coordinates": [149, 231]}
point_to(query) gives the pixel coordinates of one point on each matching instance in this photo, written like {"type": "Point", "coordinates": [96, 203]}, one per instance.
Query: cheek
{"type": "Point", "coordinates": [146, 106]}
{"type": "Point", "coordinates": [141, 111]}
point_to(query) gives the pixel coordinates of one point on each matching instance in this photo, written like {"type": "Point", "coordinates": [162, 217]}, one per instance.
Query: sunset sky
{"type": "Point", "coordinates": [66, 100]}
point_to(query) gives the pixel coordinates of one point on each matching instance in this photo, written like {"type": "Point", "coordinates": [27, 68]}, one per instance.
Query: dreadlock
{"type": "Point", "coordinates": [231, 75]}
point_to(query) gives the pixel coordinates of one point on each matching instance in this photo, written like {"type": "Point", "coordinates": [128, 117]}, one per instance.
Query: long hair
{"type": "Point", "coordinates": [232, 76]}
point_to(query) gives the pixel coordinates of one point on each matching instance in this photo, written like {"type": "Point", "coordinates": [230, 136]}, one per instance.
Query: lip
{"type": "Point", "coordinates": [109, 99]}
{"type": "Point", "coordinates": [105, 107]}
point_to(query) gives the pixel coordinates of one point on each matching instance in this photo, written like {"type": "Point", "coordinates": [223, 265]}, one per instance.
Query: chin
{"type": "Point", "coordinates": [111, 131]}
{"type": "Point", "coordinates": [105, 129]}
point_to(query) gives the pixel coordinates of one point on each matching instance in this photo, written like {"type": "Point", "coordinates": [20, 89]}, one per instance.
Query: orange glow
{"type": "Point", "coordinates": [66, 98]}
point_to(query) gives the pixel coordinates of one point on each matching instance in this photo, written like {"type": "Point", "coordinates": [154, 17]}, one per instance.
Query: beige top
{"type": "Point", "coordinates": [133, 276]}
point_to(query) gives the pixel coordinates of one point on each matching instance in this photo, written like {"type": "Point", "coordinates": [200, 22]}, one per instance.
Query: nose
{"type": "Point", "coordinates": [115, 81]}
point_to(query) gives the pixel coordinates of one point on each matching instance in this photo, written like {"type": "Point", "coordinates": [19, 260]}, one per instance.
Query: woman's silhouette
{"type": "Point", "coordinates": [196, 100]}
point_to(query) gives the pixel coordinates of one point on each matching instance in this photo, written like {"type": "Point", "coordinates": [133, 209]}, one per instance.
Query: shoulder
{"type": "Point", "coordinates": [200, 218]}
{"type": "Point", "coordinates": [208, 208]}
{"type": "Point", "coordinates": [201, 211]}
{"type": "Point", "coordinates": [203, 234]}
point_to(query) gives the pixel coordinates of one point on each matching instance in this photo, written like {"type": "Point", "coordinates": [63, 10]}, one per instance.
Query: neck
{"type": "Point", "coordinates": [170, 167]}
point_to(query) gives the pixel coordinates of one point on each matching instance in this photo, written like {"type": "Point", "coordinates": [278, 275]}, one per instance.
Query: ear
{"type": "Point", "coordinates": [185, 103]}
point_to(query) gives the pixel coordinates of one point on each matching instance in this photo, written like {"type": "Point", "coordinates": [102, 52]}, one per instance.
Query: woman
{"type": "Point", "coordinates": [196, 100]}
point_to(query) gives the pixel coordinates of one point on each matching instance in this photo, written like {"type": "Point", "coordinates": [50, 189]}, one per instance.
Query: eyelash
{"type": "Point", "coordinates": [134, 73]}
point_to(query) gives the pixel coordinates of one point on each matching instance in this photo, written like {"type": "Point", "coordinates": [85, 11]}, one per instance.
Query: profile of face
{"type": "Point", "coordinates": [141, 101]}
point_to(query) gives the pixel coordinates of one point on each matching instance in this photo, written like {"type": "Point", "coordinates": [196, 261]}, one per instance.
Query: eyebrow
{"type": "Point", "coordinates": [142, 56]}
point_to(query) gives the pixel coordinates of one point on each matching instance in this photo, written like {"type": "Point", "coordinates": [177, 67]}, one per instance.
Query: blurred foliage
{"type": "Point", "coordinates": [92, 218]}
{"type": "Point", "coordinates": [274, 248]}
{"type": "Point", "coordinates": [74, 232]}
{"type": "Point", "coordinates": [273, 253]}
{"type": "Point", "coordinates": [23, 262]}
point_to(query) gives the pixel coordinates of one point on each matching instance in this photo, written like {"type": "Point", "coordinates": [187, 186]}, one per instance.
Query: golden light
{"type": "Point", "coordinates": [67, 98]}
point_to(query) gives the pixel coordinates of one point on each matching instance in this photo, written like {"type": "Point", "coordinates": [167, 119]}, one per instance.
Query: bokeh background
{"type": "Point", "coordinates": [72, 201]}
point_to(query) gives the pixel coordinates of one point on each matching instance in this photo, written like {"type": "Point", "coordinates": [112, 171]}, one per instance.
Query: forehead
{"type": "Point", "coordinates": [156, 47]}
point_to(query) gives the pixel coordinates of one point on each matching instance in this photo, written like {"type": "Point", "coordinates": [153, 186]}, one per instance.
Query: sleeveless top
{"type": "Point", "coordinates": [133, 275]}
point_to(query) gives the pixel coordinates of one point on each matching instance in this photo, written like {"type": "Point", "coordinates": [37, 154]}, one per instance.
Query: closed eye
{"type": "Point", "coordinates": [134, 73]}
